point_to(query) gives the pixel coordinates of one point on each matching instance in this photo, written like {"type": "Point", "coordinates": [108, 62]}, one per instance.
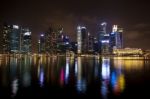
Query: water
{"type": "Point", "coordinates": [80, 77]}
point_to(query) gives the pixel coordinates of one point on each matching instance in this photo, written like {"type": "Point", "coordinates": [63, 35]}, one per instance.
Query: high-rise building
{"type": "Point", "coordinates": [26, 41]}
{"type": "Point", "coordinates": [84, 39]}
{"type": "Point", "coordinates": [103, 39]}
{"type": "Point", "coordinates": [15, 39]}
{"type": "Point", "coordinates": [51, 39]}
{"type": "Point", "coordinates": [90, 43]}
{"type": "Point", "coordinates": [6, 29]}
{"type": "Point", "coordinates": [41, 44]}
{"type": "Point", "coordinates": [116, 38]}
{"type": "Point", "coordinates": [81, 39]}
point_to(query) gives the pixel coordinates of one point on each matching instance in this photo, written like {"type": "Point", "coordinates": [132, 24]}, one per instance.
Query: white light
{"type": "Point", "coordinates": [83, 27]}
{"type": "Point", "coordinates": [106, 34]}
{"type": "Point", "coordinates": [105, 41]}
{"type": "Point", "coordinates": [79, 27]}
{"type": "Point", "coordinates": [67, 42]}
{"type": "Point", "coordinates": [27, 33]}
{"type": "Point", "coordinates": [42, 34]}
{"type": "Point", "coordinates": [104, 23]}
{"type": "Point", "coordinates": [39, 41]}
{"type": "Point", "coordinates": [112, 33]}
{"type": "Point", "coordinates": [15, 26]}
{"type": "Point", "coordinates": [105, 68]}
{"type": "Point", "coordinates": [115, 28]}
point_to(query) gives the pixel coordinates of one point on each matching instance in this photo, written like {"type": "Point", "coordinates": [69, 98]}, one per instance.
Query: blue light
{"type": "Point", "coordinates": [67, 43]}
{"type": "Point", "coordinates": [105, 41]}
{"type": "Point", "coordinates": [113, 79]}
{"type": "Point", "coordinates": [113, 33]}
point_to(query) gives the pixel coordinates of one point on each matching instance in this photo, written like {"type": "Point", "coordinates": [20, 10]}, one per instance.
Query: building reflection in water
{"type": "Point", "coordinates": [25, 65]}
{"type": "Point", "coordinates": [67, 70]}
{"type": "Point", "coordinates": [41, 72]}
{"type": "Point", "coordinates": [14, 87]}
{"type": "Point", "coordinates": [114, 77]}
{"type": "Point", "coordinates": [79, 74]}
{"type": "Point", "coordinates": [117, 77]}
{"type": "Point", "coordinates": [105, 73]}
{"type": "Point", "coordinates": [129, 64]}
{"type": "Point", "coordinates": [96, 69]}
{"type": "Point", "coordinates": [13, 76]}
{"type": "Point", "coordinates": [81, 82]}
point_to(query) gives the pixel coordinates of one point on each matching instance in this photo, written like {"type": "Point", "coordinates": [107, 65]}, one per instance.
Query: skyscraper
{"type": "Point", "coordinates": [41, 43]}
{"type": "Point", "coordinates": [103, 39]}
{"type": "Point", "coordinates": [26, 41]}
{"type": "Point", "coordinates": [116, 38]}
{"type": "Point", "coordinates": [84, 39]}
{"type": "Point", "coordinates": [90, 43]}
{"type": "Point", "coordinates": [5, 38]}
{"type": "Point", "coordinates": [81, 39]}
{"type": "Point", "coordinates": [51, 39]}
{"type": "Point", "coordinates": [15, 39]}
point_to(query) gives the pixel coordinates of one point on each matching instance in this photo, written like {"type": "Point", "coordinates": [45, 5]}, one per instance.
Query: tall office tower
{"type": "Point", "coordinates": [84, 39]}
{"type": "Point", "coordinates": [95, 45]}
{"type": "Point", "coordinates": [15, 39]}
{"type": "Point", "coordinates": [90, 43]}
{"type": "Point", "coordinates": [6, 29]}
{"type": "Point", "coordinates": [41, 43]}
{"type": "Point", "coordinates": [26, 41]}
{"type": "Point", "coordinates": [51, 38]}
{"type": "Point", "coordinates": [116, 38]}
{"type": "Point", "coordinates": [119, 38]}
{"type": "Point", "coordinates": [81, 39]}
{"type": "Point", "coordinates": [103, 39]}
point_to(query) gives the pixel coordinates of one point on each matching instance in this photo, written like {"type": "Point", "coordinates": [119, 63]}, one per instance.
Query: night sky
{"type": "Point", "coordinates": [38, 15]}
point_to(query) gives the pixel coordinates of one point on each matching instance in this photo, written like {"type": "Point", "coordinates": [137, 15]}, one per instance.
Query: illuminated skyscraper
{"type": "Point", "coordinates": [5, 38]}
{"type": "Point", "coordinates": [81, 39]}
{"type": "Point", "coordinates": [51, 39]}
{"type": "Point", "coordinates": [84, 39]}
{"type": "Point", "coordinates": [15, 39]}
{"type": "Point", "coordinates": [41, 43]}
{"type": "Point", "coordinates": [103, 39]}
{"type": "Point", "coordinates": [116, 38]}
{"type": "Point", "coordinates": [90, 43]}
{"type": "Point", "coordinates": [26, 41]}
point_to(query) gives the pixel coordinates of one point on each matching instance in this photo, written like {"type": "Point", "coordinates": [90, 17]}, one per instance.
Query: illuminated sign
{"type": "Point", "coordinates": [42, 34]}
{"type": "Point", "coordinates": [15, 26]}
{"type": "Point", "coordinates": [104, 23]}
{"type": "Point", "coordinates": [105, 41]}
{"type": "Point", "coordinates": [115, 28]}
{"type": "Point", "coordinates": [27, 33]}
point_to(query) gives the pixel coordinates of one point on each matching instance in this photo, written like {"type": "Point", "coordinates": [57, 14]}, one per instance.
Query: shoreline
{"type": "Point", "coordinates": [76, 55]}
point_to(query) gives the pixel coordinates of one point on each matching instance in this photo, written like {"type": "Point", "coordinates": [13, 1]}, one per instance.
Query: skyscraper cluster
{"type": "Point", "coordinates": [15, 39]}
{"type": "Point", "coordinates": [105, 42]}
{"type": "Point", "coordinates": [54, 41]}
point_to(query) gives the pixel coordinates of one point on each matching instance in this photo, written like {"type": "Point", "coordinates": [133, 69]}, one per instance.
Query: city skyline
{"type": "Point", "coordinates": [132, 16]}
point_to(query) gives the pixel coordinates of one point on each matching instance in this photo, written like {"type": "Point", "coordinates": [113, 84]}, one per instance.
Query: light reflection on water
{"type": "Point", "coordinates": [80, 72]}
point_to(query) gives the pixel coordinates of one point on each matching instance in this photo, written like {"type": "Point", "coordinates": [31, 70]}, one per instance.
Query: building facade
{"type": "Point", "coordinates": [103, 39]}
{"type": "Point", "coordinates": [116, 38]}
{"type": "Point", "coordinates": [15, 39]}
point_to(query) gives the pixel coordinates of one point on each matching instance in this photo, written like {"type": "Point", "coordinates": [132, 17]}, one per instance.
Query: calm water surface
{"type": "Point", "coordinates": [99, 77]}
